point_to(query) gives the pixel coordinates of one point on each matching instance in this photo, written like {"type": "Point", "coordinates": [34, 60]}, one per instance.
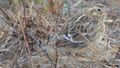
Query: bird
{"type": "Point", "coordinates": [85, 35]}
{"type": "Point", "coordinates": [86, 27]}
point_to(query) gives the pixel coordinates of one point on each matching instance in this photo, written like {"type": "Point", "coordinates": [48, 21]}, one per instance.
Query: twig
{"type": "Point", "coordinates": [116, 16]}
{"type": "Point", "coordinates": [23, 25]}
{"type": "Point", "coordinates": [56, 60]}
{"type": "Point", "coordinates": [8, 22]}
{"type": "Point", "coordinates": [76, 4]}
{"type": "Point", "coordinates": [41, 46]}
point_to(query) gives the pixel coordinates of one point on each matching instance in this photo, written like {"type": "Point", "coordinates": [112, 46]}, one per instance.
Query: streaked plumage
{"type": "Point", "coordinates": [87, 27]}
{"type": "Point", "coordinates": [85, 35]}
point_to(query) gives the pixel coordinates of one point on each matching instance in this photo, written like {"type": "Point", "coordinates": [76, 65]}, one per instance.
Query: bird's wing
{"type": "Point", "coordinates": [79, 31]}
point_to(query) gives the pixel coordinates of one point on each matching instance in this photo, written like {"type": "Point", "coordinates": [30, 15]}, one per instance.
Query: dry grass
{"type": "Point", "coordinates": [28, 34]}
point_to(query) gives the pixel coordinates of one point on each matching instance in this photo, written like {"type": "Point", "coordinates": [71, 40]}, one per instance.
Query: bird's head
{"type": "Point", "coordinates": [98, 11]}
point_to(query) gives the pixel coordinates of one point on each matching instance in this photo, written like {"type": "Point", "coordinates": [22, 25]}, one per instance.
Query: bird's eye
{"type": "Point", "coordinates": [99, 10]}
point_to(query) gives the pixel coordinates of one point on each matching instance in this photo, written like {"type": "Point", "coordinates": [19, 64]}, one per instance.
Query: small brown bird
{"type": "Point", "coordinates": [85, 35]}
{"type": "Point", "coordinates": [86, 27]}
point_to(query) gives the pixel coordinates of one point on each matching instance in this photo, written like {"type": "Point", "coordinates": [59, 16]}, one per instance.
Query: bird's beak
{"type": "Point", "coordinates": [105, 13]}
{"type": "Point", "coordinates": [106, 10]}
